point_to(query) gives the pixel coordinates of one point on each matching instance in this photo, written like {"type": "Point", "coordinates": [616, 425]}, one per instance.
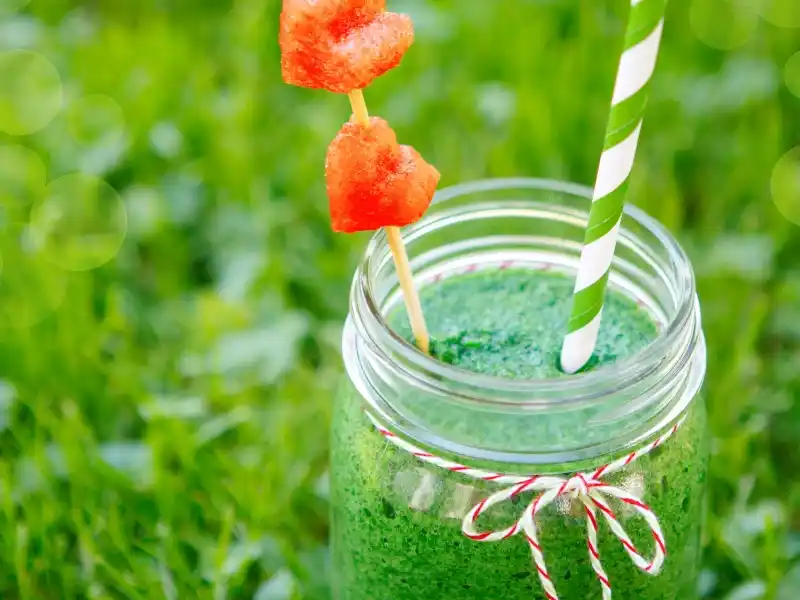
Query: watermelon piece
{"type": "Point", "coordinates": [375, 182]}
{"type": "Point", "coordinates": [340, 45]}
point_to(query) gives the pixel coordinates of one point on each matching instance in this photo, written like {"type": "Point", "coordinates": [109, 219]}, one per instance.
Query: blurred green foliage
{"type": "Point", "coordinates": [162, 417]}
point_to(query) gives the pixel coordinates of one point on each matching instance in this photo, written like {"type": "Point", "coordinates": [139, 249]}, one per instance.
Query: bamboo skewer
{"type": "Point", "coordinates": [398, 248]}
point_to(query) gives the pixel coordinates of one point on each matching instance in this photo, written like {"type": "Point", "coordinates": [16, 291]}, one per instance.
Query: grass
{"type": "Point", "coordinates": [162, 414]}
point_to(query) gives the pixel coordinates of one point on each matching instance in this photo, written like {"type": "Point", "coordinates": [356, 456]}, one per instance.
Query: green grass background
{"type": "Point", "coordinates": [163, 429]}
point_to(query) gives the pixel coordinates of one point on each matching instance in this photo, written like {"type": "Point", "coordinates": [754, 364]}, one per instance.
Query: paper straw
{"type": "Point", "coordinates": [642, 39]}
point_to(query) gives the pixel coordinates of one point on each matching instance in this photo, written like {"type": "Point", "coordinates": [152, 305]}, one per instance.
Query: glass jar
{"type": "Point", "coordinates": [397, 518]}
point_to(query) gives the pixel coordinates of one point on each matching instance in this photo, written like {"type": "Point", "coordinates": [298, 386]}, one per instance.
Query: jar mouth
{"type": "Point", "coordinates": [580, 390]}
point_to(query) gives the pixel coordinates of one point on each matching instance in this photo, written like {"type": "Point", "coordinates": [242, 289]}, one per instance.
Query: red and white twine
{"type": "Point", "coordinates": [587, 488]}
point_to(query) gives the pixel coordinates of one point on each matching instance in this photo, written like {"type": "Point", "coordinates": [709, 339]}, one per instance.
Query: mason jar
{"type": "Point", "coordinates": [448, 483]}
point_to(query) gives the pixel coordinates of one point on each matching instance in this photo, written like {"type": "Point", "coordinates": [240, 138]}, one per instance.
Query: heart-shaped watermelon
{"type": "Point", "coordinates": [340, 45]}
{"type": "Point", "coordinates": [375, 182]}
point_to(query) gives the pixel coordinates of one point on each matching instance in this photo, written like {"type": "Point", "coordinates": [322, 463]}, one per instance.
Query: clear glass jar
{"type": "Point", "coordinates": [397, 521]}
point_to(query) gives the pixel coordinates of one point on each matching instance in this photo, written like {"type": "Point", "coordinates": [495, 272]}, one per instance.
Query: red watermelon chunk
{"type": "Point", "coordinates": [340, 45]}
{"type": "Point", "coordinates": [375, 182]}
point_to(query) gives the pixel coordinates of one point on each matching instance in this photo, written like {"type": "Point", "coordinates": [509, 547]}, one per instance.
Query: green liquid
{"type": "Point", "coordinates": [511, 324]}
{"type": "Point", "coordinates": [397, 523]}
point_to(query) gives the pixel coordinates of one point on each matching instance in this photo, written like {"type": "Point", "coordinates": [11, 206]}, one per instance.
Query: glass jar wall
{"type": "Point", "coordinates": [503, 254]}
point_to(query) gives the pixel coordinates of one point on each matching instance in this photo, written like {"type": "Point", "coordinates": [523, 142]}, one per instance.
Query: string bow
{"type": "Point", "coordinates": [587, 488]}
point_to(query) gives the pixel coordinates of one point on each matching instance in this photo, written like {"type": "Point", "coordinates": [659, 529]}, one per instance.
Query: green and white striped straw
{"type": "Point", "coordinates": [642, 40]}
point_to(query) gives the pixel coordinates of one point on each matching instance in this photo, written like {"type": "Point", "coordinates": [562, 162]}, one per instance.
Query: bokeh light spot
{"type": "Point", "coordinates": [782, 13]}
{"type": "Point", "coordinates": [30, 92]}
{"type": "Point", "coordinates": [81, 224]}
{"type": "Point", "coordinates": [786, 185]}
{"type": "Point", "coordinates": [30, 287]}
{"type": "Point", "coordinates": [95, 119]}
{"type": "Point", "coordinates": [723, 24]}
{"type": "Point", "coordinates": [791, 74]}
{"type": "Point", "coordinates": [22, 183]}
{"type": "Point", "coordinates": [11, 6]}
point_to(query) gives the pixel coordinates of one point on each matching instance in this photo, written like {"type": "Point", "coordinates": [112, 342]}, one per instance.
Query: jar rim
{"type": "Point", "coordinates": [579, 390]}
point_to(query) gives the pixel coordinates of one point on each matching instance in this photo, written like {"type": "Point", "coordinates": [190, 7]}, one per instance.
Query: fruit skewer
{"type": "Point", "coordinates": [372, 181]}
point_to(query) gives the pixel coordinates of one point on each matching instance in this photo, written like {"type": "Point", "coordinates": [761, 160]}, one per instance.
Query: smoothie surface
{"type": "Point", "coordinates": [511, 323]}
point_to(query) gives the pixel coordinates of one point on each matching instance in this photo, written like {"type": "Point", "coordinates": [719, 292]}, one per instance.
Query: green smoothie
{"type": "Point", "coordinates": [397, 522]}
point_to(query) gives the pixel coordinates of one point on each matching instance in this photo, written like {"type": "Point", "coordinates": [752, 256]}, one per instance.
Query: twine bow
{"type": "Point", "coordinates": [587, 488]}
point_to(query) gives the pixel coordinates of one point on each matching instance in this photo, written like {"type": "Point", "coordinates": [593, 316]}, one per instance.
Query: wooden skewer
{"type": "Point", "coordinates": [410, 294]}
{"type": "Point", "coordinates": [398, 248]}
